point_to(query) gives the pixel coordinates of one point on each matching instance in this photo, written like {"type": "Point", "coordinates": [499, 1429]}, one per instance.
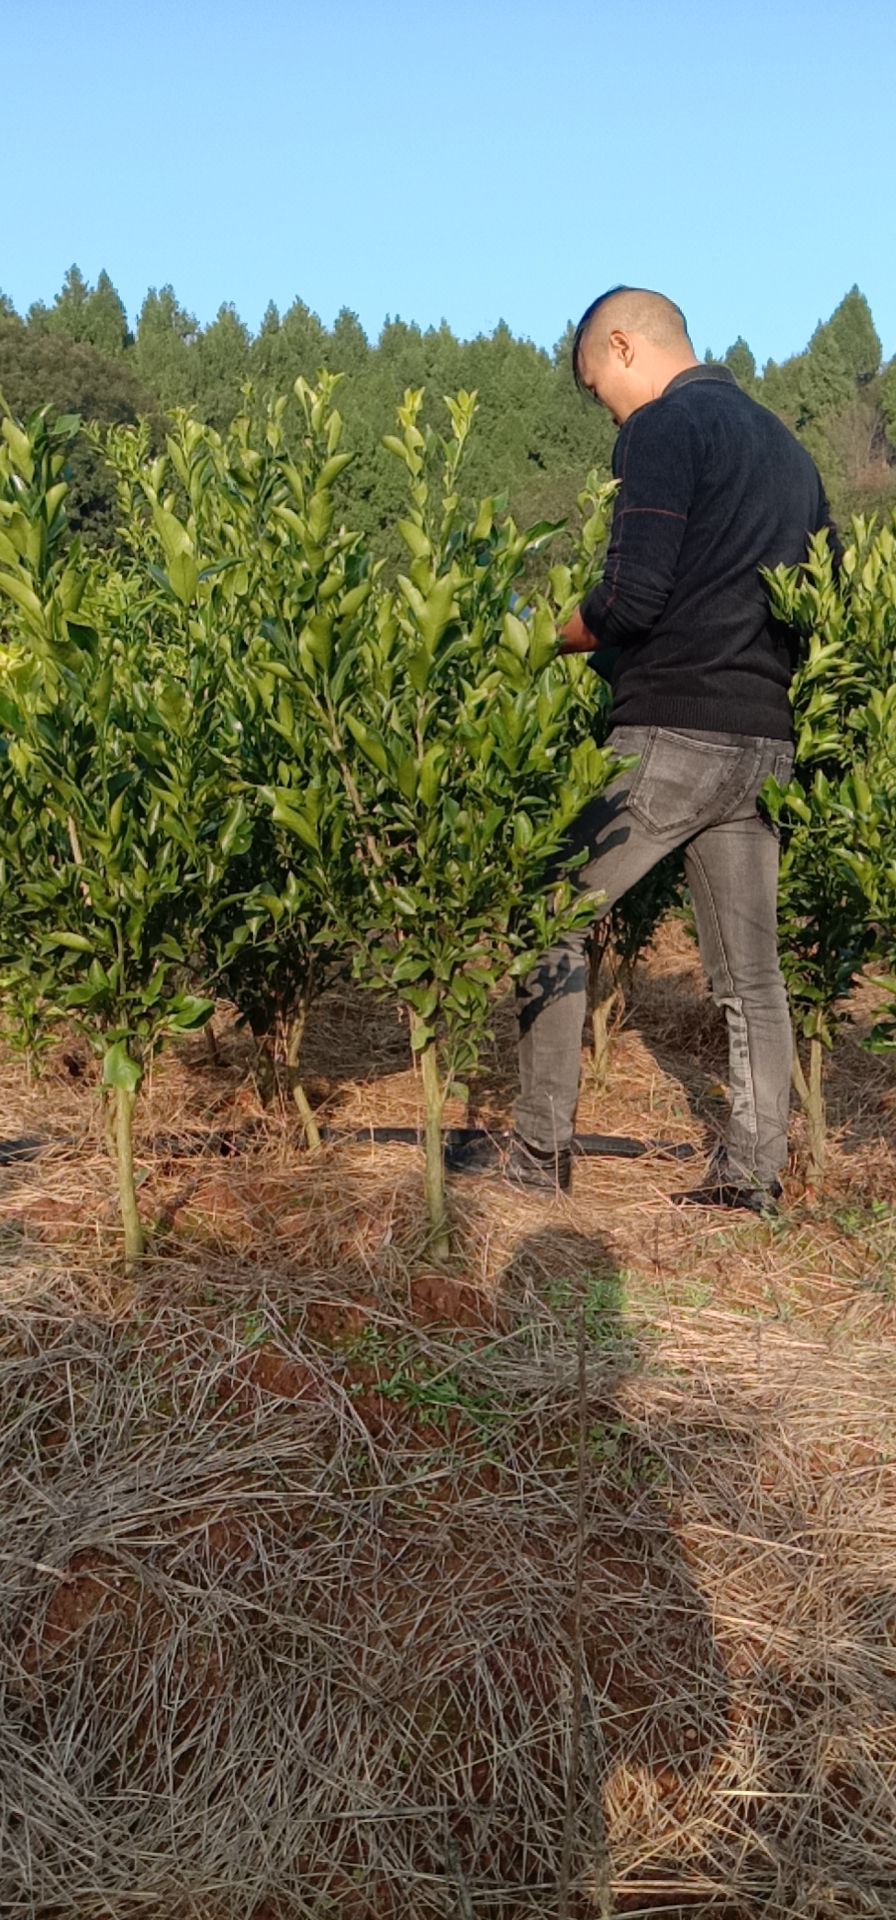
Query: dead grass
{"type": "Point", "coordinates": [307, 1608]}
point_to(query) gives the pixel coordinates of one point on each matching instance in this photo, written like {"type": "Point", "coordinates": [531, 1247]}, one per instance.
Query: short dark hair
{"type": "Point", "coordinates": [581, 331]}
{"type": "Point", "coordinates": [650, 312]}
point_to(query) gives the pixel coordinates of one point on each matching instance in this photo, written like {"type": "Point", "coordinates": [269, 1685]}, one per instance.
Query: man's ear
{"type": "Point", "coordinates": [622, 344]}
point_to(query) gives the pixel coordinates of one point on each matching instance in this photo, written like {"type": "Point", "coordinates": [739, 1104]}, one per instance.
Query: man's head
{"type": "Point", "coordinates": [628, 345]}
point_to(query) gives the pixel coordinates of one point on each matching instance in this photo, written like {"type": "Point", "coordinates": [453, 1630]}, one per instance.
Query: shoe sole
{"type": "Point", "coordinates": [769, 1210]}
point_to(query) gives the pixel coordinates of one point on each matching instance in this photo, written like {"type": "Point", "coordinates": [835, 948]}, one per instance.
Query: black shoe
{"type": "Point", "coordinates": [508, 1154]}
{"type": "Point", "coordinates": [759, 1200]}
{"type": "Point", "coordinates": [469, 1150]}
{"type": "Point", "coordinates": [529, 1167]}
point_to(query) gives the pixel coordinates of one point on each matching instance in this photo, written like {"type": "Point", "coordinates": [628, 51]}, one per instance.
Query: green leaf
{"type": "Point", "coordinates": [23, 595]}
{"type": "Point", "coordinates": [75, 942]}
{"type": "Point", "coordinates": [369, 742]}
{"type": "Point", "coordinates": [415, 539]}
{"type": "Point", "coordinates": [333, 467]}
{"type": "Point", "coordinates": [430, 774]}
{"type": "Point", "coordinates": [183, 574]}
{"type": "Point", "coordinates": [439, 608]}
{"type": "Point", "coordinates": [406, 775]}
{"type": "Point", "coordinates": [285, 813]}
{"type": "Point", "coordinates": [174, 538]}
{"type": "Point", "coordinates": [189, 1012]}
{"type": "Point", "coordinates": [119, 1069]}
{"type": "Point", "coordinates": [522, 831]}
{"type": "Point", "coordinates": [20, 448]}
{"type": "Point", "coordinates": [392, 444]}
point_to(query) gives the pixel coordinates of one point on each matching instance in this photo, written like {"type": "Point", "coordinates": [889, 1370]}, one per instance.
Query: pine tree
{"type": "Point", "coordinates": [742, 363]}
{"type": "Point", "coordinates": [306, 341]}
{"type": "Point", "coordinates": [888, 401]}
{"type": "Point", "coordinates": [780, 387]}
{"type": "Point", "coordinates": [70, 308]}
{"type": "Point", "coordinates": [401, 353]}
{"type": "Point", "coordinates": [165, 350]}
{"type": "Point", "coordinates": [825, 383]}
{"type": "Point", "coordinates": [285, 348]}
{"type": "Point", "coordinates": [222, 366]}
{"type": "Point", "coordinates": [37, 318]}
{"type": "Point", "coordinates": [105, 320]}
{"type": "Point", "coordinates": [349, 347]}
{"type": "Point", "coordinates": [856, 337]}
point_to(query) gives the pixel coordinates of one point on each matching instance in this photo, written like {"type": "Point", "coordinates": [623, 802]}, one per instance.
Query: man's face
{"type": "Point", "coordinates": [611, 371]}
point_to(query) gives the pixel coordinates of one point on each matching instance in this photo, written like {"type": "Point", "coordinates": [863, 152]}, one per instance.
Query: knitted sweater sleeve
{"type": "Point", "coordinates": [657, 461]}
{"type": "Point", "coordinates": [825, 523]}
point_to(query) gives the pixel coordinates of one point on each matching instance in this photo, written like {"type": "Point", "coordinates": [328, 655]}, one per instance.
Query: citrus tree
{"type": "Point", "coordinates": [277, 942]}
{"type": "Point", "coordinates": [837, 901]}
{"type": "Point", "coordinates": [871, 798]}
{"type": "Point", "coordinates": [262, 503]}
{"type": "Point", "coordinates": [115, 821]}
{"type": "Point", "coordinates": [458, 757]}
{"type": "Point", "coordinates": [868, 799]}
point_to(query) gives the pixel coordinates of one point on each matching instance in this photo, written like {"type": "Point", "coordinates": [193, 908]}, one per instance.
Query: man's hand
{"type": "Point", "coordinates": [575, 637]}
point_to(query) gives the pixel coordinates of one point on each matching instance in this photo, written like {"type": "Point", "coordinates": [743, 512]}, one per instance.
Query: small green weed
{"type": "Point", "coordinates": [600, 1296]}
{"type": "Point", "coordinates": [613, 1447]}
{"type": "Point", "coordinates": [253, 1330]}
{"type": "Point", "coordinates": [408, 1378]}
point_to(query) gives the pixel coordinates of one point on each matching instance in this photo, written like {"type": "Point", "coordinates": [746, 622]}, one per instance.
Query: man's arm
{"type": "Point", "coordinates": [659, 458]}
{"type": "Point", "coordinates": [575, 637]}
{"type": "Point", "coordinates": [827, 524]}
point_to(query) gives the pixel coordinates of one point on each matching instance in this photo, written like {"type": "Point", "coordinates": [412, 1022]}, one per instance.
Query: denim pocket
{"type": "Point", "coordinates": [782, 771]}
{"type": "Point", "coordinates": [683, 782]}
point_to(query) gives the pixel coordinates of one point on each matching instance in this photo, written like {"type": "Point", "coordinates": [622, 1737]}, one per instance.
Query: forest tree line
{"type": "Point", "coordinates": [537, 436]}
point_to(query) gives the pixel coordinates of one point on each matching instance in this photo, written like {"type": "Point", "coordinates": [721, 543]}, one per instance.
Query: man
{"type": "Point", "coordinates": [712, 487]}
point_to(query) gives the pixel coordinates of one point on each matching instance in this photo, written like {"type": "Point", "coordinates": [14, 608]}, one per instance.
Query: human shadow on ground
{"type": "Point", "coordinates": [739, 1654]}
{"type": "Point", "coordinates": [628, 1627]}
{"type": "Point", "coordinates": [467, 1553]}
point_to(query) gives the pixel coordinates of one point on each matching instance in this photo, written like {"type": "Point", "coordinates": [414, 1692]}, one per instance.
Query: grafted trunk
{"type": "Point", "coordinates": [119, 1130]}
{"type": "Point", "coordinates": [294, 1037]}
{"type": "Point", "coordinates": [607, 1001]}
{"type": "Point", "coordinates": [811, 1092]}
{"type": "Point", "coordinates": [265, 1071]}
{"type": "Point", "coordinates": [434, 1174]}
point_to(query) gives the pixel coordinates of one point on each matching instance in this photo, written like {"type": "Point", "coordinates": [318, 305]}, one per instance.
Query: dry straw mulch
{"type": "Point", "coordinates": [557, 1583]}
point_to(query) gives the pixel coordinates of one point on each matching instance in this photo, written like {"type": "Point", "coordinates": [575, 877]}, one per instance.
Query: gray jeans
{"type": "Point", "coordinates": [697, 791]}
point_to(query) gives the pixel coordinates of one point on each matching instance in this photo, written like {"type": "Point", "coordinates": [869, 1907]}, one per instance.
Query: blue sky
{"type": "Point", "coordinates": [462, 161]}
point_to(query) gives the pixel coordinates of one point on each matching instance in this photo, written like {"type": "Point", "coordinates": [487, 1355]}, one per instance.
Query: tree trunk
{"type": "Point", "coordinates": [434, 1177]}
{"type": "Point", "coordinates": [811, 1093]}
{"type": "Point", "coordinates": [606, 999]}
{"type": "Point", "coordinates": [265, 1071]}
{"type": "Point", "coordinates": [212, 1050]}
{"type": "Point", "coordinates": [295, 1034]}
{"type": "Point", "coordinates": [602, 1013]}
{"type": "Point", "coordinates": [120, 1138]}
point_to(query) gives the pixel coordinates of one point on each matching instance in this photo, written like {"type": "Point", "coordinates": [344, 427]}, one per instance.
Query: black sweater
{"type": "Point", "coordinates": [713, 486]}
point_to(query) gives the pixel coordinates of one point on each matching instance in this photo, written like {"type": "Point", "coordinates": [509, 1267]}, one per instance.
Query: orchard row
{"type": "Point", "coordinates": [238, 758]}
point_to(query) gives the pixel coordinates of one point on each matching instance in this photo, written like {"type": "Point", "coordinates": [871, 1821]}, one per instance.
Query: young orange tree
{"type": "Point", "coordinates": [838, 816]}
{"type": "Point", "coordinates": [114, 819]}
{"type": "Point", "coordinates": [261, 501]}
{"type": "Point", "coordinates": [457, 759]}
